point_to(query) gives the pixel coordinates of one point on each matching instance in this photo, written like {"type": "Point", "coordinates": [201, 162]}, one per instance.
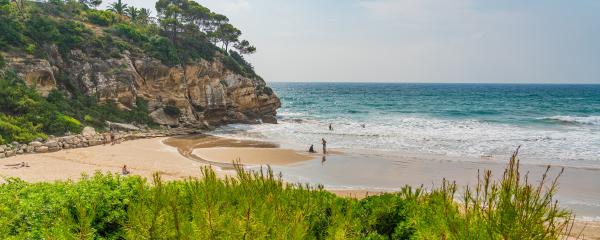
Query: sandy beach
{"type": "Point", "coordinates": [143, 157]}
{"type": "Point", "coordinates": [181, 157]}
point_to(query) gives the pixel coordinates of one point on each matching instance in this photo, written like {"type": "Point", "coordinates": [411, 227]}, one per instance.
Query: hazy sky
{"type": "Point", "coordinates": [419, 40]}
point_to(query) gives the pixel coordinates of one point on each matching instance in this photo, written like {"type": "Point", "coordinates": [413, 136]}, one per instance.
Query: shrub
{"type": "Point", "coordinates": [131, 32]}
{"type": "Point", "coordinates": [59, 124]}
{"type": "Point", "coordinates": [18, 129]}
{"type": "Point", "coordinates": [232, 65]}
{"type": "Point", "coordinates": [11, 30]}
{"type": "Point", "coordinates": [2, 62]}
{"type": "Point", "coordinates": [101, 17]}
{"type": "Point", "coordinates": [42, 29]}
{"type": "Point", "coordinates": [162, 49]}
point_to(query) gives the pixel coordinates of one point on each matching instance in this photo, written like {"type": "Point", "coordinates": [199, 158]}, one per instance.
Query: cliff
{"type": "Point", "coordinates": [205, 92]}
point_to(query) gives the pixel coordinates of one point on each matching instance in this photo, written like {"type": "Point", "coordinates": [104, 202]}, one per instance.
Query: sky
{"type": "Point", "coordinates": [502, 41]}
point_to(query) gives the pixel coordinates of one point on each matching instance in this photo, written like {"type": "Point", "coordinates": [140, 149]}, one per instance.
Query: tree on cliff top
{"type": "Point", "coordinates": [181, 17]}
{"type": "Point", "coordinates": [118, 7]}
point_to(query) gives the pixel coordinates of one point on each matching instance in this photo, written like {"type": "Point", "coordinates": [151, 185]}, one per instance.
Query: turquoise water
{"type": "Point", "coordinates": [511, 104]}
{"type": "Point", "coordinates": [554, 124]}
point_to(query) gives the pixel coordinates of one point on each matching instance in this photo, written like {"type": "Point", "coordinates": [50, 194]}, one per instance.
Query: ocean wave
{"type": "Point", "coordinates": [591, 120]}
{"type": "Point", "coordinates": [468, 139]}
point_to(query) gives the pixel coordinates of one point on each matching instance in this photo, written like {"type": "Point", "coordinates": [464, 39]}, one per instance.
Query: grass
{"type": "Point", "coordinates": [259, 205]}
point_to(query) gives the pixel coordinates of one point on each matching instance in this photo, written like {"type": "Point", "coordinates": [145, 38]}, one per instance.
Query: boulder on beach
{"type": "Point", "coordinates": [122, 126]}
{"type": "Point", "coordinates": [88, 132]}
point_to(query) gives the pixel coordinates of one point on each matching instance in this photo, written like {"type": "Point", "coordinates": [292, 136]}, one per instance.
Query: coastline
{"type": "Point", "coordinates": [144, 157]}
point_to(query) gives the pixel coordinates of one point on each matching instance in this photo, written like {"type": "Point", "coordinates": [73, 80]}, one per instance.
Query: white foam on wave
{"type": "Point", "coordinates": [592, 120]}
{"type": "Point", "coordinates": [568, 146]}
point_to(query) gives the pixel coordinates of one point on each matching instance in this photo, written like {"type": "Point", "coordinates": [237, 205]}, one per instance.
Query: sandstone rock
{"type": "Point", "coordinates": [11, 153]}
{"type": "Point", "coordinates": [269, 119]}
{"type": "Point", "coordinates": [54, 149]}
{"type": "Point", "coordinates": [88, 132]}
{"type": "Point", "coordinates": [41, 149]}
{"type": "Point", "coordinates": [2, 149]}
{"type": "Point", "coordinates": [35, 72]}
{"type": "Point", "coordinates": [122, 126]}
{"type": "Point", "coordinates": [30, 149]}
{"type": "Point", "coordinates": [35, 144]}
{"type": "Point", "coordinates": [2, 155]}
{"type": "Point", "coordinates": [202, 90]}
{"type": "Point", "coordinates": [159, 116]}
{"type": "Point", "coordinates": [51, 144]}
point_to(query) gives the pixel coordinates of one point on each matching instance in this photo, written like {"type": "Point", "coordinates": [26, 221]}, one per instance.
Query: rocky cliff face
{"type": "Point", "coordinates": [206, 93]}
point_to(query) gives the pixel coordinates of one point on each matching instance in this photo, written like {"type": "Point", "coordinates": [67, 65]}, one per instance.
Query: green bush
{"type": "Point", "coordinates": [73, 35]}
{"type": "Point", "coordinates": [162, 49]}
{"type": "Point", "coordinates": [101, 17]}
{"type": "Point", "coordinates": [42, 29]}
{"type": "Point", "coordinates": [232, 65]}
{"type": "Point", "coordinates": [11, 30]}
{"type": "Point", "coordinates": [131, 32]}
{"type": "Point", "coordinates": [2, 61]}
{"type": "Point", "coordinates": [19, 129]}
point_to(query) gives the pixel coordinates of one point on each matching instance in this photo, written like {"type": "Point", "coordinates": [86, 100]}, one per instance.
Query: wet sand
{"type": "Point", "coordinates": [251, 156]}
{"type": "Point", "coordinates": [223, 152]}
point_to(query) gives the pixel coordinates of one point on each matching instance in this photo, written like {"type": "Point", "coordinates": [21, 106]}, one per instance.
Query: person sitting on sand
{"type": "Point", "coordinates": [125, 171]}
{"type": "Point", "coordinates": [311, 149]}
{"type": "Point", "coordinates": [324, 145]}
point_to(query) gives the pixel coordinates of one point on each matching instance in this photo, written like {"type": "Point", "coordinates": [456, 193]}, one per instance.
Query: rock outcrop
{"type": "Point", "coordinates": [205, 92]}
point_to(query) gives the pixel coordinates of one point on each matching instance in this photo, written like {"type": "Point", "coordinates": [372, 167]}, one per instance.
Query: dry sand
{"type": "Point", "coordinates": [142, 157]}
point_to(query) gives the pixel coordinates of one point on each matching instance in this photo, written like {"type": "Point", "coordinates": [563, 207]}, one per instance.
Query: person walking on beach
{"type": "Point", "coordinates": [324, 145]}
{"type": "Point", "coordinates": [330, 127]}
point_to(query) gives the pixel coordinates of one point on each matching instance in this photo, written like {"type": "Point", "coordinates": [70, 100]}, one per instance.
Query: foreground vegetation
{"type": "Point", "coordinates": [258, 205]}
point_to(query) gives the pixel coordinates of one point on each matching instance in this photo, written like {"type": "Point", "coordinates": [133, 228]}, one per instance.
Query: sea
{"type": "Point", "coordinates": [553, 124]}
{"type": "Point", "coordinates": [376, 124]}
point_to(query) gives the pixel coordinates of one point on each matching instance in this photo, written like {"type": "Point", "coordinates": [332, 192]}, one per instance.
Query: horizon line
{"type": "Point", "coordinates": [483, 83]}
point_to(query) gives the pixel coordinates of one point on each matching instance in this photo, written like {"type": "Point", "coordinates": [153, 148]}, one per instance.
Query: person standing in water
{"type": "Point", "coordinates": [324, 145]}
{"type": "Point", "coordinates": [330, 127]}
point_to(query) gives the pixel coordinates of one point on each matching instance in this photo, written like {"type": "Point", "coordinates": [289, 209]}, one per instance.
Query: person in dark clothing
{"type": "Point", "coordinates": [311, 149]}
